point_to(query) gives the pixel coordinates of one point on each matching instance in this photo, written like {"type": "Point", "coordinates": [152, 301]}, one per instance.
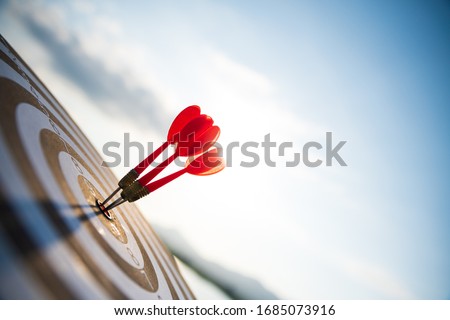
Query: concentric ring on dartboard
{"type": "Point", "coordinates": [117, 238]}
{"type": "Point", "coordinates": [60, 166]}
{"type": "Point", "coordinates": [15, 128]}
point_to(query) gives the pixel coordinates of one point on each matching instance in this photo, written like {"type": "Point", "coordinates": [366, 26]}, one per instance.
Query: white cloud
{"type": "Point", "coordinates": [240, 76]}
{"type": "Point", "coordinates": [83, 6]}
{"type": "Point", "coordinates": [377, 278]}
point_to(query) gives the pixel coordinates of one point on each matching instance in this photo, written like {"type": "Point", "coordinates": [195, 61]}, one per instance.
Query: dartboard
{"type": "Point", "coordinates": [54, 241]}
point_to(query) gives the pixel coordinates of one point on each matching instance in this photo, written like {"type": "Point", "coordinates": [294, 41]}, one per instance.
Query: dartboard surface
{"type": "Point", "coordinates": [54, 241]}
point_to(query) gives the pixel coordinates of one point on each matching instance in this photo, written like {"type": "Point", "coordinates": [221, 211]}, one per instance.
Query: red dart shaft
{"type": "Point", "coordinates": [161, 182]}
{"type": "Point", "coordinates": [147, 161]}
{"type": "Point", "coordinates": [149, 176]}
{"type": "Point", "coordinates": [198, 166]}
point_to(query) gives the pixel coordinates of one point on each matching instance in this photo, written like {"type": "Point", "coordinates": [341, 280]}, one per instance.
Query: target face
{"type": "Point", "coordinates": [54, 241]}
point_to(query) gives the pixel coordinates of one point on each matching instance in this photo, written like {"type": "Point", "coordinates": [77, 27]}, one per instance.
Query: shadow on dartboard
{"type": "Point", "coordinates": [54, 242]}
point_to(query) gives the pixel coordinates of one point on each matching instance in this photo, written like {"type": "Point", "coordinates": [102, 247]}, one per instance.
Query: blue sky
{"type": "Point", "coordinates": [375, 73]}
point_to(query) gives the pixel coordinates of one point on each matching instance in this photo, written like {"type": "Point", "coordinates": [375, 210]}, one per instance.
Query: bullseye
{"type": "Point", "coordinates": [103, 209]}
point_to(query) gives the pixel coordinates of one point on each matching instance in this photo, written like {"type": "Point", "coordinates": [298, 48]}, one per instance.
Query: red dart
{"type": "Point", "coordinates": [196, 137]}
{"type": "Point", "coordinates": [181, 120]}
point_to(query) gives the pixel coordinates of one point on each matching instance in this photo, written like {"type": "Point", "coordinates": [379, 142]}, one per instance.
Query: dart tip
{"type": "Point", "coordinates": [110, 197]}
{"type": "Point", "coordinates": [116, 203]}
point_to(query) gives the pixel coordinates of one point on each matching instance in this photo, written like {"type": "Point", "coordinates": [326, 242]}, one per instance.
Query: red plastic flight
{"type": "Point", "coordinates": [195, 138]}
{"type": "Point", "coordinates": [183, 118]}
